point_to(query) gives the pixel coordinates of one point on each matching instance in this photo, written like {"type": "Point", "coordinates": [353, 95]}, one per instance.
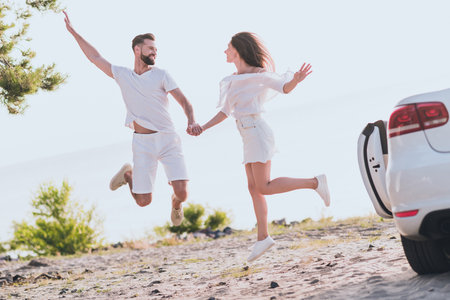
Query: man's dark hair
{"type": "Point", "coordinates": [139, 39]}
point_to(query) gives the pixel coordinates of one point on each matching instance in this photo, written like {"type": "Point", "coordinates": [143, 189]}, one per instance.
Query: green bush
{"type": "Point", "coordinates": [61, 225]}
{"type": "Point", "coordinates": [194, 221]}
{"type": "Point", "coordinates": [161, 231]}
{"type": "Point", "coordinates": [2, 249]}
{"type": "Point", "coordinates": [217, 219]}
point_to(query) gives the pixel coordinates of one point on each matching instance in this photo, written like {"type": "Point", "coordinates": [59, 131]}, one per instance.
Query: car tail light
{"type": "Point", "coordinates": [432, 114]}
{"type": "Point", "coordinates": [404, 120]}
{"type": "Point", "coordinates": [404, 214]}
{"type": "Point", "coordinates": [414, 117]}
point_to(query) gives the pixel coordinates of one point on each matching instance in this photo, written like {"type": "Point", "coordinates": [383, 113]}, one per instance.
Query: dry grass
{"type": "Point", "coordinates": [308, 224]}
{"type": "Point", "coordinates": [196, 260]}
{"type": "Point", "coordinates": [172, 241]}
{"type": "Point", "coordinates": [137, 244]}
{"type": "Point", "coordinates": [241, 272]}
{"type": "Point", "coordinates": [319, 243]}
{"type": "Point", "coordinates": [326, 222]}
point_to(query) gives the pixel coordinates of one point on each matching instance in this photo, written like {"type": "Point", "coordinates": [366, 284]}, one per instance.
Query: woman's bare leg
{"type": "Point", "coordinates": [265, 186]}
{"type": "Point", "coordinates": [259, 205]}
{"type": "Point", "coordinates": [259, 184]}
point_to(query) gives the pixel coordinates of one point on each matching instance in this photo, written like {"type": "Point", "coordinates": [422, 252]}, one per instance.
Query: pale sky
{"type": "Point", "coordinates": [366, 56]}
{"type": "Point", "coordinates": [353, 46]}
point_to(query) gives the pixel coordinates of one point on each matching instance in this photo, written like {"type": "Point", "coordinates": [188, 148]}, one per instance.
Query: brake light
{"type": "Point", "coordinates": [432, 114]}
{"type": "Point", "coordinates": [404, 120]}
{"type": "Point", "coordinates": [414, 117]}
{"type": "Point", "coordinates": [404, 214]}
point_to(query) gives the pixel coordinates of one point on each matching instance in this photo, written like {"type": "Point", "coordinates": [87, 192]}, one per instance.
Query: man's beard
{"type": "Point", "coordinates": [147, 60]}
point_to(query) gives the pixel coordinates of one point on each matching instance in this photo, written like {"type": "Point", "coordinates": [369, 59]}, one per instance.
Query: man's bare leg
{"type": "Point", "coordinates": [180, 193]}
{"type": "Point", "coordinates": [179, 196]}
{"type": "Point", "coordinates": [141, 199]}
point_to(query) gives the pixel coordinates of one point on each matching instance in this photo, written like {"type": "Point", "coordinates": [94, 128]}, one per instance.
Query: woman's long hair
{"type": "Point", "coordinates": [252, 50]}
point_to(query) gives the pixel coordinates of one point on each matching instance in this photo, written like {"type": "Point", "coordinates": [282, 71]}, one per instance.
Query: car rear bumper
{"type": "Point", "coordinates": [431, 222]}
{"type": "Point", "coordinates": [418, 178]}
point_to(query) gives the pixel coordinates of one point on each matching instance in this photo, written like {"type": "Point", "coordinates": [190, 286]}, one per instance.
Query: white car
{"type": "Point", "coordinates": [406, 171]}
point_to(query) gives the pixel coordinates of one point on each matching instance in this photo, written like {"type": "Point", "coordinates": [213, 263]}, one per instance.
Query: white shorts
{"type": "Point", "coordinates": [258, 139]}
{"type": "Point", "coordinates": [148, 149]}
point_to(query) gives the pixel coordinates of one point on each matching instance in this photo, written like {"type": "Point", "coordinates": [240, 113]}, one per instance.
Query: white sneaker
{"type": "Point", "coordinates": [322, 189]}
{"type": "Point", "coordinates": [177, 215]}
{"type": "Point", "coordinates": [119, 179]}
{"type": "Point", "coordinates": [260, 247]}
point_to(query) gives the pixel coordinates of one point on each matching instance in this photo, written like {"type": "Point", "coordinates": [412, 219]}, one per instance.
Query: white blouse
{"type": "Point", "coordinates": [245, 94]}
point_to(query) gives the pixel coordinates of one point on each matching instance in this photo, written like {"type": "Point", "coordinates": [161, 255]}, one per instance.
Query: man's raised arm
{"type": "Point", "coordinates": [90, 52]}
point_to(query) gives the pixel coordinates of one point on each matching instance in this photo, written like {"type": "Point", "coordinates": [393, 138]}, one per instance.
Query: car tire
{"type": "Point", "coordinates": [428, 256]}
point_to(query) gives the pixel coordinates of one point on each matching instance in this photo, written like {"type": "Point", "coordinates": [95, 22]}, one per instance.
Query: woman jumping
{"type": "Point", "coordinates": [243, 95]}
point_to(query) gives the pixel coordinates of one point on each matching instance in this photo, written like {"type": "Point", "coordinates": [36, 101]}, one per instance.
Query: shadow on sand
{"type": "Point", "coordinates": [407, 285]}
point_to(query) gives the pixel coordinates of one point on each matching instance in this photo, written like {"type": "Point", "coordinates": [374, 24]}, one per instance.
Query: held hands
{"type": "Point", "coordinates": [304, 71]}
{"type": "Point", "coordinates": [194, 129]}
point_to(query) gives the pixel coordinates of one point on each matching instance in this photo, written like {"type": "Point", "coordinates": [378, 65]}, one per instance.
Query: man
{"type": "Point", "coordinates": [144, 91]}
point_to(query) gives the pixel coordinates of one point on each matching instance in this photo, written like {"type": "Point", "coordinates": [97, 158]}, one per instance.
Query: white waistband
{"type": "Point", "coordinates": [248, 121]}
{"type": "Point", "coordinates": [249, 117]}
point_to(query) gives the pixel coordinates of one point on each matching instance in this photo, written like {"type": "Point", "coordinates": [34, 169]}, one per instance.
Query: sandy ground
{"type": "Point", "coordinates": [344, 261]}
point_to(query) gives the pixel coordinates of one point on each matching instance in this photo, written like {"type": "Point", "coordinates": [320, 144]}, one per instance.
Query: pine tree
{"type": "Point", "coordinates": [18, 77]}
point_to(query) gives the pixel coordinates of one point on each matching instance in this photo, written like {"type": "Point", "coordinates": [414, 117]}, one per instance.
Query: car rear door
{"type": "Point", "coordinates": [372, 159]}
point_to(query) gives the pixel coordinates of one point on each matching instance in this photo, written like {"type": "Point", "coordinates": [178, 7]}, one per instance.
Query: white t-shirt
{"type": "Point", "coordinates": [245, 94]}
{"type": "Point", "coordinates": [145, 97]}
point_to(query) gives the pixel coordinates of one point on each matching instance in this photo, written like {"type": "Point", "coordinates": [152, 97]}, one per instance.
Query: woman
{"type": "Point", "coordinates": [243, 95]}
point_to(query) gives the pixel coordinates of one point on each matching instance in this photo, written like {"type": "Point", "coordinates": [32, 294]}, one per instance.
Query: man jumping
{"type": "Point", "coordinates": [144, 91]}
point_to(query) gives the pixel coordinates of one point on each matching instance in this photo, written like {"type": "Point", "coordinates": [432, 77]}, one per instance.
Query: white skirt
{"type": "Point", "coordinates": [258, 139]}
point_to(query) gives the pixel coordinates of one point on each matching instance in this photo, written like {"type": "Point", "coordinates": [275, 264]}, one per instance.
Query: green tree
{"type": "Point", "coordinates": [18, 77]}
{"type": "Point", "coordinates": [61, 226]}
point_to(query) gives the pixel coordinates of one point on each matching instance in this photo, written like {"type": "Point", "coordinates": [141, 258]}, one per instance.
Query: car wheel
{"type": "Point", "coordinates": [430, 256]}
